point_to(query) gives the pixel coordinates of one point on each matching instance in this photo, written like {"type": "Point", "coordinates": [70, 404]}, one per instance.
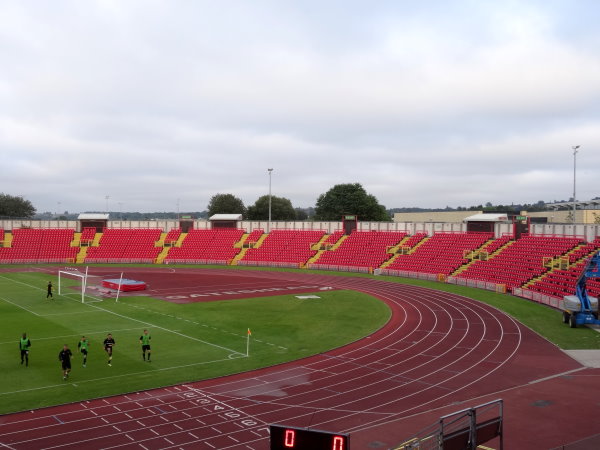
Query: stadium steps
{"type": "Point", "coordinates": [240, 243]}
{"type": "Point", "coordinates": [242, 253]}
{"type": "Point", "coordinates": [473, 256]}
{"type": "Point", "coordinates": [317, 246]}
{"type": "Point", "coordinates": [239, 256]}
{"type": "Point", "coordinates": [96, 241]}
{"type": "Point", "coordinates": [76, 240]}
{"type": "Point", "coordinates": [319, 250]}
{"type": "Point", "coordinates": [180, 239]}
{"type": "Point", "coordinates": [475, 253]}
{"type": "Point", "coordinates": [418, 244]}
{"type": "Point", "coordinates": [397, 247]}
{"type": "Point", "coordinates": [8, 238]}
{"type": "Point", "coordinates": [313, 258]}
{"type": "Point", "coordinates": [573, 257]}
{"type": "Point", "coordinates": [389, 261]}
{"type": "Point", "coordinates": [338, 243]}
{"type": "Point", "coordinates": [317, 255]}
{"type": "Point", "coordinates": [558, 263]}
{"type": "Point", "coordinates": [261, 240]}
{"type": "Point", "coordinates": [161, 240]}
{"type": "Point", "coordinates": [163, 254]}
{"type": "Point", "coordinates": [394, 251]}
{"type": "Point", "coordinates": [243, 249]}
{"type": "Point", "coordinates": [81, 255]}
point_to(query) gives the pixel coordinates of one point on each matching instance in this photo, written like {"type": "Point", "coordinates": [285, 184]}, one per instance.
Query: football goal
{"type": "Point", "coordinates": [104, 285]}
{"type": "Point", "coordinates": [67, 288]}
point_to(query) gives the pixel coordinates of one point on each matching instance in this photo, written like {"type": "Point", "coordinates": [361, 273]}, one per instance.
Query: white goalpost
{"type": "Point", "coordinates": [119, 288]}
{"type": "Point", "coordinates": [91, 286]}
{"type": "Point", "coordinates": [95, 284]}
{"type": "Point", "coordinates": [72, 274]}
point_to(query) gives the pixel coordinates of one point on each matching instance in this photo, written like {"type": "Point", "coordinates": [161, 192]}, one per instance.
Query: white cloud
{"type": "Point", "coordinates": [449, 103]}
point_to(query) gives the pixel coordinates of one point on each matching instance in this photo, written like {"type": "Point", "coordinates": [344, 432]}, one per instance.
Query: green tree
{"type": "Point", "coordinates": [301, 214]}
{"type": "Point", "coordinates": [349, 199]}
{"type": "Point", "coordinates": [15, 206]}
{"type": "Point", "coordinates": [281, 209]}
{"type": "Point", "coordinates": [226, 204]}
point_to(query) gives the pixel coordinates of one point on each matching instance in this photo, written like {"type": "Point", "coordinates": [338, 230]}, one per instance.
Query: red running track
{"type": "Point", "coordinates": [438, 353]}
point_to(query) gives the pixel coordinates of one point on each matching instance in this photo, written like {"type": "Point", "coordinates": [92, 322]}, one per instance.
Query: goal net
{"type": "Point", "coordinates": [71, 281]}
{"type": "Point", "coordinates": [104, 285]}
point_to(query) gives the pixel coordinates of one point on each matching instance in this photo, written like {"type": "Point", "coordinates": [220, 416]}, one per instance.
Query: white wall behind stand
{"type": "Point", "coordinates": [585, 232]}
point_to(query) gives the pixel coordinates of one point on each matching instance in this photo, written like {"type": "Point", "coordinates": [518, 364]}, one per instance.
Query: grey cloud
{"type": "Point", "coordinates": [149, 102]}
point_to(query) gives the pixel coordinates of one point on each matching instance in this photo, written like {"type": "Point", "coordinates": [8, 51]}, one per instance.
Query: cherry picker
{"type": "Point", "coordinates": [581, 308]}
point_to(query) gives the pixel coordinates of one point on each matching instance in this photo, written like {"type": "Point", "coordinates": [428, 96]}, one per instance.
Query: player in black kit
{"type": "Point", "coordinates": [109, 342]}
{"type": "Point", "coordinates": [65, 358]}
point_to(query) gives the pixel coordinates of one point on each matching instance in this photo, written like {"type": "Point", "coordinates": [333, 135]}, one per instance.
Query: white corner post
{"type": "Point", "coordinates": [248, 342]}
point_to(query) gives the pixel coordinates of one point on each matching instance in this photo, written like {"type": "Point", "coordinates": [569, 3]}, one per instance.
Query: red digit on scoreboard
{"type": "Point", "coordinates": [338, 443]}
{"type": "Point", "coordinates": [289, 439]}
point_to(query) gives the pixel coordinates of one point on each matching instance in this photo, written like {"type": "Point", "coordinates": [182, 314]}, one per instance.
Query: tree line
{"type": "Point", "coordinates": [341, 199]}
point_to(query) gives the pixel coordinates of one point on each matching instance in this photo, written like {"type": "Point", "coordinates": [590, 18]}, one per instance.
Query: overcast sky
{"type": "Point", "coordinates": [425, 103]}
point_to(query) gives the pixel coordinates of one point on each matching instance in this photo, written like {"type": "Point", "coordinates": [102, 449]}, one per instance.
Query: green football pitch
{"type": "Point", "coordinates": [190, 342]}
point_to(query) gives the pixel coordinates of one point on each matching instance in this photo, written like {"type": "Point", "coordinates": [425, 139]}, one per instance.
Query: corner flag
{"type": "Point", "coordinates": [248, 342]}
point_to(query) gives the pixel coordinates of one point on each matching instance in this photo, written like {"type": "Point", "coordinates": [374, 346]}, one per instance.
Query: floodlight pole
{"type": "Point", "coordinates": [575, 148]}
{"type": "Point", "coordinates": [269, 224]}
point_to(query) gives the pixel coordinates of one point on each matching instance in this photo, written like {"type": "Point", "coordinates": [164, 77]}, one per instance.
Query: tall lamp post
{"type": "Point", "coordinates": [575, 148]}
{"type": "Point", "coordinates": [269, 224]}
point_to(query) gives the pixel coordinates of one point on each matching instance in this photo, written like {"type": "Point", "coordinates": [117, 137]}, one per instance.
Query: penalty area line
{"type": "Point", "coordinates": [19, 306]}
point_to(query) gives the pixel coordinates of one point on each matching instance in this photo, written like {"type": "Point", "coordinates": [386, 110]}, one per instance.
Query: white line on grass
{"type": "Point", "coordinates": [21, 282]}
{"type": "Point", "coordinates": [244, 336]}
{"type": "Point", "coordinates": [19, 306]}
{"type": "Point", "coordinates": [67, 314]}
{"type": "Point", "coordinates": [166, 329]}
{"type": "Point", "coordinates": [73, 335]}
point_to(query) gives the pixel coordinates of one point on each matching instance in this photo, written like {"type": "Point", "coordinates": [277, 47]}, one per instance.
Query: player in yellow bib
{"type": "Point", "coordinates": [83, 346]}
{"type": "Point", "coordinates": [24, 344]}
{"type": "Point", "coordinates": [145, 341]}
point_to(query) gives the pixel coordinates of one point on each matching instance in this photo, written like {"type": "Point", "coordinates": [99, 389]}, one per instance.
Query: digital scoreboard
{"type": "Point", "coordinates": [286, 438]}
